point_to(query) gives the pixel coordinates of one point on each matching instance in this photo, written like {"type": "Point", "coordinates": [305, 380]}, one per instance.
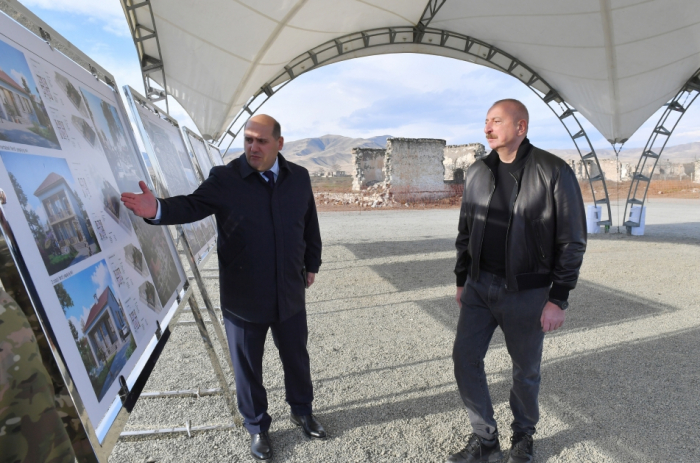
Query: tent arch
{"type": "Point", "coordinates": [440, 43]}
{"type": "Point", "coordinates": [643, 173]}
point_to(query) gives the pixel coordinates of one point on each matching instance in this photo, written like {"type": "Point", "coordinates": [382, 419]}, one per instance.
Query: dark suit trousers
{"type": "Point", "coordinates": [246, 342]}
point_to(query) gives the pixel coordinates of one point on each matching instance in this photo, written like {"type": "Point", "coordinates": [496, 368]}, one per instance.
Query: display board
{"type": "Point", "coordinates": [103, 278]}
{"type": "Point", "coordinates": [200, 152]}
{"type": "Point", "coordinates": [164, 143]}
{"type": "Point", "coordinates": [215, 155]}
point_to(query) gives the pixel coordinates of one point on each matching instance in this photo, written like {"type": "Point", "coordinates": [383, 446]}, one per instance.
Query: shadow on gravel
{"type": "Point", "coordinates": [636, 402]}
{"type": "Point", "coordinates": [343, 420]}
{"type": "Point", "coordinates": [680, 233]}
{"type": "Point", "coordinates": [409, 276]}
{"type": "Point", "coordinates": [592, 305]}
{"type": "Point", "coordinates": [378, 249]}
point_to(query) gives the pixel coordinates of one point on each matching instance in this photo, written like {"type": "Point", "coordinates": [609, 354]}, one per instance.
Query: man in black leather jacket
{"type": "Point", "coordinates": [522, 236]}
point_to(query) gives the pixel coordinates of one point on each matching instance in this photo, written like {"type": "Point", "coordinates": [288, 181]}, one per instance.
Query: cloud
{"type": "Point", "coordinates": [18, 76]}
{"type": "Point", "coordinates": [108, 13]}
{"type": "Point", "coordinates": [78, 322]}
{"type": "Point", "coordinates": [101, 278]}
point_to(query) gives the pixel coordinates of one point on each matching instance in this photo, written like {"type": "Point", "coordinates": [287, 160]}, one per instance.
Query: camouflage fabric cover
{"type": "Point", "coordinates": [32, 426]}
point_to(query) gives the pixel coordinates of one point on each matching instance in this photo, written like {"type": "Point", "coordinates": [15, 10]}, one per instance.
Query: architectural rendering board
{"type": "Point", "coordinates": [65, 157]}
{"type": "Point", "coordinates": [163, 139]}
{"type": "Point", "coordinates": [201, 153]}
{"type": "Point", "coordinates": [215, 155]}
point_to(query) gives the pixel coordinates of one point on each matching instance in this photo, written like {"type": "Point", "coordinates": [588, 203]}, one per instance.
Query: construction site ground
{"type": "Point", "coordinates": [620, 380]}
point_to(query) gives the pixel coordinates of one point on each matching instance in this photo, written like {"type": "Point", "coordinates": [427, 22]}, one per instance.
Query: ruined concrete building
{"type": "Point", "coordinates": [368, 167]}
{"type": "Point", "coordinates": [616, 171]}
{"type": "Point", "coordinates": [413, 167]}
{"type": "Point", "coordinates": [458, 158]}
{"type": "Point", "coordinates": [416, 167]}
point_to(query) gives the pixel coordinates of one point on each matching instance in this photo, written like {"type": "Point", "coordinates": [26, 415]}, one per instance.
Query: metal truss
{"type": "Point", "coordinates": [142, 24]}
{"type": "Point", "coordinates": [429, 13]}
{"type": "Point", "coordinates": [454, 45]}
{"type": "Point", "coordinates": [643, 173]}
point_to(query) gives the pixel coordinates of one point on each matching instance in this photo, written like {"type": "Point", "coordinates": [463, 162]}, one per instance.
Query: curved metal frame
{"type": "Point", "coordinates": [675, 109]}
{"type": "Point", "coordinates": [477, 51]}
{"type": "Point", "coordinates": [142, 25]}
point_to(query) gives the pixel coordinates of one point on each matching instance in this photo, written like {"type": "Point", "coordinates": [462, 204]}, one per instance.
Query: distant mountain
{"type": "Point", "coordinates": [334, 152]}
{"type": "Point", "coordinates": [329, 152]}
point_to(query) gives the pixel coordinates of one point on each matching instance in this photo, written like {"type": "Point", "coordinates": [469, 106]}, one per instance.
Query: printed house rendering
{"type": "Point", "coordinates": [106, 327]}
{"type": "Point", "coordinates": [65, 217]}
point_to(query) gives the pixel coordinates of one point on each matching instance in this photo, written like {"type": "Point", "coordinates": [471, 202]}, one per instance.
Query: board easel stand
{"type": "Point", "coordinates": [16, 280]}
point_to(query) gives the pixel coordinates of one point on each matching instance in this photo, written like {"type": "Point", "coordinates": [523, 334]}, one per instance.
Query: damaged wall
{"type": "Point", "coordinates": [458, 158]}
{"type": "Point", "coordinates": [414, 169]}
{"type": "Point", "coordinates": [368, 165]}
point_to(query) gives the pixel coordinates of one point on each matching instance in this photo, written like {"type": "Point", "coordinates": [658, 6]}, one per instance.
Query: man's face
{"type": "Point", "coordinates": [502, 129]}
{"type": "Point", "coordinates": [260, 146]}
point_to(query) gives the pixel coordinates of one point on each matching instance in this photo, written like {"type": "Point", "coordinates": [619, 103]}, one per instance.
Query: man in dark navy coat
{"type": "Point", "coordinates": [269, 248]}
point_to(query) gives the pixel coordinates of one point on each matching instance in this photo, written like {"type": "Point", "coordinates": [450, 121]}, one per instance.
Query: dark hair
{"type": "Point", "coordinates": [522, 112]}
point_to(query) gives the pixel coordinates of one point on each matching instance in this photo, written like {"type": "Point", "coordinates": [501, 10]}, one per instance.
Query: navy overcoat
{"type": "Point", "coordinates": [267, 238]}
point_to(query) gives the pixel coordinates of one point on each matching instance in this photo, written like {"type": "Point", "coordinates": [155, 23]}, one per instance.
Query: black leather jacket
{"type": "Point", "coordinates": [546, 235]}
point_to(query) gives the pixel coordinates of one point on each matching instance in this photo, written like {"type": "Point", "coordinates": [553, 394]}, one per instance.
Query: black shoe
{"type": "Point", "coordinates": [520, 448]}
{"type": "Point", "coordinates": [478, 449]}
{"type": "Point", "coordinates": [260, 446]}
{"type": "Point", "coordinates": [310, 425]}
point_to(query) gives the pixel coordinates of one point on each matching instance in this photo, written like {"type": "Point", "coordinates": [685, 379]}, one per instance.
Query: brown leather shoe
{"type": "Point", "coordinates": [310, 425]}
{"type": "Point", "coordinates": [260, 447]}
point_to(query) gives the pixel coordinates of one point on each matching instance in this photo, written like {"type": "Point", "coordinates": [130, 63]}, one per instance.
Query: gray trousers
{"type": "Point", "coordinates": [485, 305]}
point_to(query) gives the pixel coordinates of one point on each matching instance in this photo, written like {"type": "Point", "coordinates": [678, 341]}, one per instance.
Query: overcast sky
{"type": "Point", "coordinates": [401, 95]}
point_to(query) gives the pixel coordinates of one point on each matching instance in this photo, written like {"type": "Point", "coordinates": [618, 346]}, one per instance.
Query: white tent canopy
{"type": "Point", "coordinates": [615, 61]}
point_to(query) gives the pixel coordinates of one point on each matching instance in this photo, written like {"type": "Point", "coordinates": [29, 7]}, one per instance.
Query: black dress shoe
{"type": "Point", "coordinates": [310, 425]}
{"type": "Point", "coordinates": [260, 446]}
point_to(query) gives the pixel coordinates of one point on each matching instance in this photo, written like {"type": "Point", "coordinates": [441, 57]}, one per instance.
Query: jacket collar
{"type": "Point", "coordinates": [492, 160]}
{"type": "Point", "coordinates": [245, 169]}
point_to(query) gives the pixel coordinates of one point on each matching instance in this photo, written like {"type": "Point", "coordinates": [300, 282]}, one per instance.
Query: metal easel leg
{"type": "Point", "coordinates": [218, 370]}
{"type": "Point", "coordinates": [205, 297]}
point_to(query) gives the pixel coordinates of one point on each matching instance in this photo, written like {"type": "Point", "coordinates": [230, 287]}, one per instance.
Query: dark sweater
{"type": "Point", "coordinates": [493, 249]}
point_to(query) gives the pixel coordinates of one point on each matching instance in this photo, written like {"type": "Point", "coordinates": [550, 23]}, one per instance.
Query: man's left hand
{"type": "Point", "coordinates": [310, 277]}
{"type": "Point", "coordinates": [552, 317]}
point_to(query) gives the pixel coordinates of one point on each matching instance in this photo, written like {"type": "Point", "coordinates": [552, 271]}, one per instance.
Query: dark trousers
{"type": "Point", "coordinates": [246, 342]}
{"type": "Point", "coordinates": [485, 305]}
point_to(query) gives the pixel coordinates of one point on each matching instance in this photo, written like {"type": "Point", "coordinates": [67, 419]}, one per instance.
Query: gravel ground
{"type": "Point", "coordinates": [620, 380]}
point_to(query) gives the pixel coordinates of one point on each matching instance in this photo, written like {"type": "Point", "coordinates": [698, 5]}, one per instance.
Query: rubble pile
{"type": "Point", "coordinates": [378, 195]}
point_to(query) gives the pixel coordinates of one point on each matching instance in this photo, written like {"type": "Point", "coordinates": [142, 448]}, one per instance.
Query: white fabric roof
{"type": "Point", "coordinates": [616, 61]}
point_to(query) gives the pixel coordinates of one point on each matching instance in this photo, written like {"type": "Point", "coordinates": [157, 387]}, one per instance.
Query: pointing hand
{"type": "Point", "coordinates": [142, 204]}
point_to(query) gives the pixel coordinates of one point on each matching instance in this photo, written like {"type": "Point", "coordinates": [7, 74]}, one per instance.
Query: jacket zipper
{"type": "Point", "coordinates": [539, 241]}
{"type": "Point", "coordinates": [488, 204]}
{"type": "Point", "coordinates": [510, 219]}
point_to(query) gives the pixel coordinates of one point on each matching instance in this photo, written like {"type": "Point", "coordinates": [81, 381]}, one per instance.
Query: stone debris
{"type": "Point", "coordinates": [377, 195]}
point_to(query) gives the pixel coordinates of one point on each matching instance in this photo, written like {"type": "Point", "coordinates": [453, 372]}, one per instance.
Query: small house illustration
{"type": "Point", "coordinates": [15, 102]}
{"type": "Point", "coordinates": [65, 216]}
{"type": "Point", "coordinates": [147, 293]}
{"type": "Point", "coordinates": [106, 327]}
{"type": "Point", "coordinates": [134, 257]}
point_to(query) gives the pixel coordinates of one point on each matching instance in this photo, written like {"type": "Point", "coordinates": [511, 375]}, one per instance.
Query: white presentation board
{"type": "Point", "coordinates": [200, 151]}
{"type": "Point", "coordinates": [103, 276]}
{"type": "Point", "coordinates": [163, 141]}
{"type": "Point", "coordinates": [215, 155]}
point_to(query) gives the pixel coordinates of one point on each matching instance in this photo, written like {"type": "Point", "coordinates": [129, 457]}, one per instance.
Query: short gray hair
{"type": "Point", "coordinates": [520, 109]}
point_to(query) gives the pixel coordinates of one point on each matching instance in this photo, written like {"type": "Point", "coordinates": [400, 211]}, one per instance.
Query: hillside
{"type": "Point", "coordinates": [334, 152]}
{"type": "Point", "coordinates": [329, 152]}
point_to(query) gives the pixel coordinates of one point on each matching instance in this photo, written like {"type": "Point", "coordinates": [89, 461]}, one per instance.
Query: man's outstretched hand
{"type": "Point", "coordinates": [142, 204]}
